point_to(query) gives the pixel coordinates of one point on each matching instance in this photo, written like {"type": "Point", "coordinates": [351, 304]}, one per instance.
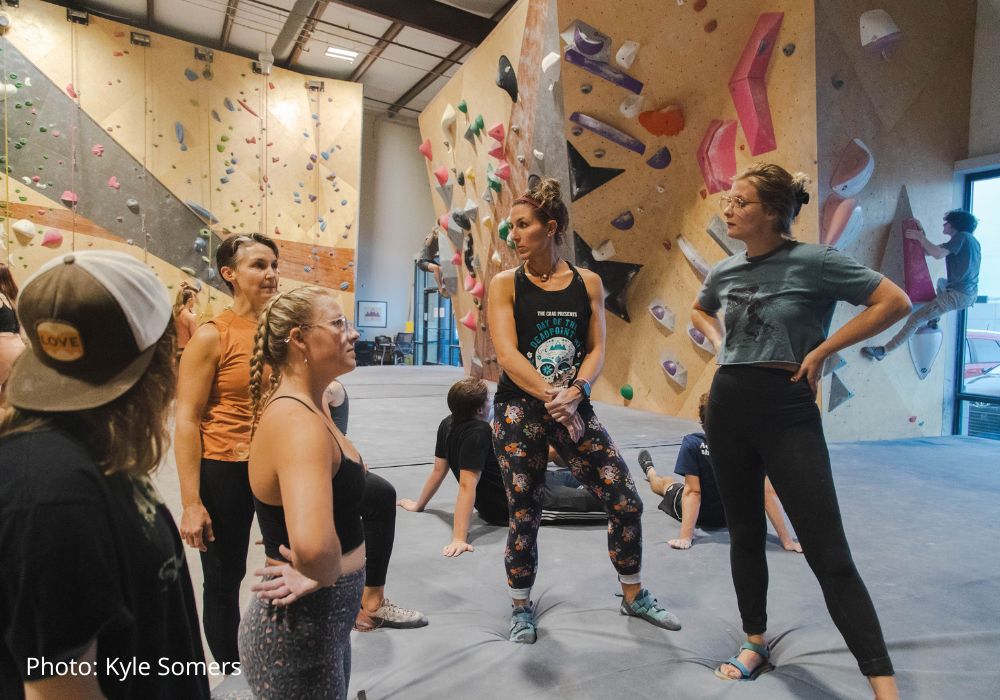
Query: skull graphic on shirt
{"type": "Point", "coordinates": [554, 361]}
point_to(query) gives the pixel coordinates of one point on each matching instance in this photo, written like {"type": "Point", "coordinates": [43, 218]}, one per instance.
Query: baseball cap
{"type": "Point", "coordinates": [93, 319]}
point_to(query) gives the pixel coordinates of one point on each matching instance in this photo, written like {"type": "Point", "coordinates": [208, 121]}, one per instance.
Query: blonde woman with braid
{"type": "Point", "coordinates": [307, 481]}
{"type": "Point", "coordinates": [212, 435]}
{"type": "Point", "coordinates": [547, 323]}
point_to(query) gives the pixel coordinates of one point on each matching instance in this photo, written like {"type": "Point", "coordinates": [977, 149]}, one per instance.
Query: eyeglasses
{"type": "Point", "coordinates": [338, 324]}
{"type": "Point", "coordinates": [737, 203]}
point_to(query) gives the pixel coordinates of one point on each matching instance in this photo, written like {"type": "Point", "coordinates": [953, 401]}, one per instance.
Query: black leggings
{"type": "Point", "coordinates": [760, 423]}
{"type": "Point", "coordinates": [225, 491]}
{"type": "Point", "coordinates": [378, 516]}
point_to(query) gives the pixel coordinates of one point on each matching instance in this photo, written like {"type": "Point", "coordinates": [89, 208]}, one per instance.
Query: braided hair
{"type": "Point", "coordinates": [282, 313]}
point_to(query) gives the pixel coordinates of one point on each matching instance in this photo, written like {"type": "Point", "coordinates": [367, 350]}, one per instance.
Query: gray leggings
{"type": "Point", "coordinates": [303, 650]}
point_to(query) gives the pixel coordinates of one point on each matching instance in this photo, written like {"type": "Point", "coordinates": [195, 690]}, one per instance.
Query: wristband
{"type": "Point", "coordinates": [584, 386]}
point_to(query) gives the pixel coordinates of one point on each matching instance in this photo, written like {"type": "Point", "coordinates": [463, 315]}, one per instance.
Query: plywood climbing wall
{"type": "Point", "coordinates": [483, 173]}
{"type": "Point", "coordinates": [656, 213]}
{"type": "Point", "coordinates": [910, 107]}
{"type": "Point", "coordinates": [167, 155]}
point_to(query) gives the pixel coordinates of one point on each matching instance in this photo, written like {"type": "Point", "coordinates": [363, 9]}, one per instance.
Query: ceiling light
{"type": "Point", "coordinates": [342, 54]}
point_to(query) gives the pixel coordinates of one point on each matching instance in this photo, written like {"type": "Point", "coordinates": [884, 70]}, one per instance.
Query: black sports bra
{"type": "Point", "coordinates": [348, 487]}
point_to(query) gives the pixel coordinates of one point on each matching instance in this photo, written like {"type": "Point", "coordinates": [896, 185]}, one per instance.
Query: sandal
{"type": "Point", "coordinates": [746, 674]}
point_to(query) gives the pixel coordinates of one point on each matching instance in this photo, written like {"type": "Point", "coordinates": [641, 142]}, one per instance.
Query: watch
{"type": "Point", "coordinates": [584, 386]}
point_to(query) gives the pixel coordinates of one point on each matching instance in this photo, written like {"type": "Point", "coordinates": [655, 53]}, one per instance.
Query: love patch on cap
{"type": "Point", "coordinates": [60, 341]}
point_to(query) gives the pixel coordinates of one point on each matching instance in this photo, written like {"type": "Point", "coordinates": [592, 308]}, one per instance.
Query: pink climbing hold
{"type": "Point", "coordinates": [497, 152]}
{"type": "Point", "coordinates": [470, 282]}
{"type": "Point", "coordinates": [425, 148]}
{"type": "Point", "coordinates": [247, 108]}
{"type": "Point", "coordinates": [97, 150]}
{"type": "Point", "coordinates": [252, 140]}
{"type": "Point", "coordinates": [469, 321]}
{"type": "Point", "coordinates": [503, 170]}
{"type": "Point", "coordinates": [113, 183]}
{"type": "Point", "coordinates": [442, 175]}
{"type": "Point", "coordinates": [52, 239]}
{"type": "Point", "coordinates": [717, 155]}
{"type": "Point", "coordinates": [456, 259]}
{"type": "Point", "coordinates": [915, 273]}
{"type": "Point", "coordinates": [478, 290]}
{"type": "Point", "coordinates": [749, 88]}
{"type": "Point", "coordinates": [443, 221]}
{"type": "Point", "coordinates": [68, 198]}
{"type": "Point", "coordinates": [71, 91]}
{"type": "Point", "coordinates": [496, 131]}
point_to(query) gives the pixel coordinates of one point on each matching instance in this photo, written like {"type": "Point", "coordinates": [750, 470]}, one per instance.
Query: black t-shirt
{"type": "Point", "coordinates": [90, 556]}
{"type": "Point", "coordinates": [469, 445]}
{"type": "Point", "coordinates": [693, 459]}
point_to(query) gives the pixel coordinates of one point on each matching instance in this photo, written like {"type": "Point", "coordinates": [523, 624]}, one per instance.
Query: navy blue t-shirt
{"type": "Point", "coordinates": [694, 460]}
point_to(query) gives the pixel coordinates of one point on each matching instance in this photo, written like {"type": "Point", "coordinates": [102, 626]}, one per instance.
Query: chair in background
{"type": "Point", "coordinates": [384, 348]}
{"type": "Point", "coordinates": [364, 352]}
{"type": "Point", "coordinates": [404, 349]}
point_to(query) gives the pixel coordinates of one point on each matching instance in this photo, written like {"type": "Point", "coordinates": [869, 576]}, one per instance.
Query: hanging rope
{"type": "Point", "coordinates": [74, 129]}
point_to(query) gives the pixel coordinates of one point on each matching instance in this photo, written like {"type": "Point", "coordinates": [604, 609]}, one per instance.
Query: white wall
{"type": "Point", "coordinates": [984, 120]}
{"type": "Point", "coordinates": [396, 214]}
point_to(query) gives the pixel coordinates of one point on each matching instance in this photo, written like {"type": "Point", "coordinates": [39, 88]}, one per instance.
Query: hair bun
{"type": "Point", "coordinates": [802, 197]}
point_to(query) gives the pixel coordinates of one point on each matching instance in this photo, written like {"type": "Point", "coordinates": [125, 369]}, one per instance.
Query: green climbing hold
{"type": "Point", "coordinates": [205, 233]}
{"type": "Point", "coordinates": [42, 129]}
{"type": "Point", "coordinates": [220, 147]}
{"type": "Point", "coordinates": [504, 229]}
{"type": "Point", "coordinates": [626, 392]}
{"type": "Point", "coordinates": [495, 185]}
{"type": "Point", "coordinates": [28, 103]}
{"type": "Point", "coordinates": [19, 85]}
{"type": "Point", "coordinates": [224, 138]}
{"type": "Point", "coordinates": [13, 76]}
{"type": "Point", "coordinates": [480, 124]}
{"type": "Point", "coordinates": [205, 259]}
{"type": "Point", "coordinates": [188, 271]}
{"type": "Point", "coordinates": [463, 107]}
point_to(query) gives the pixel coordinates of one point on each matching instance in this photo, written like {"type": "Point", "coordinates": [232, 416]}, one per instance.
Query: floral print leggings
{"type": "Point", "coordinates": [522, 432]}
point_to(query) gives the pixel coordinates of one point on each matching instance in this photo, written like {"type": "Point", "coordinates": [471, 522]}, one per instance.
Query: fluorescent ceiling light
{"type": "Point", "coordinates": [342, 54]}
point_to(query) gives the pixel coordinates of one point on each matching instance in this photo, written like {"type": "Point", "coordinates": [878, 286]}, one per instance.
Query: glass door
{"type": "Point", "coordinates": [977, 391]}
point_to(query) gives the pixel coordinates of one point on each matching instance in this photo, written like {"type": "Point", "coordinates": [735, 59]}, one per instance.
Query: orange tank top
{"type": "Point", "coordinates": [225, 426]}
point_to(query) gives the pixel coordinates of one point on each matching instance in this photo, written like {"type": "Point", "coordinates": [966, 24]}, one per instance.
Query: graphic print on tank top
{"type": "Point", "coordinates": [555, 347]}
{"type": "Point", "coordinates": [744, 309]}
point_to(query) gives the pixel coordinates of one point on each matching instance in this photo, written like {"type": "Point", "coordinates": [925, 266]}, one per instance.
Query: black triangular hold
{"type": "Point", "coordinates": [506, 78]}
{"type": "Point", "coordinates": [584, 178]}
{"type": "Point", "coordinates": [616, 276]}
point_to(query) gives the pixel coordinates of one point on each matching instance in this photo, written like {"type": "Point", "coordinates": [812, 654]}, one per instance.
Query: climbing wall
{"type": "Point", "coordinates": [165, 153]}
{"type": "Point", "coordinates": [905, 97]}
{"type": "Point", "coordinates": [493, 124]}
{"type": "Point", "coordinates": [655, 133]}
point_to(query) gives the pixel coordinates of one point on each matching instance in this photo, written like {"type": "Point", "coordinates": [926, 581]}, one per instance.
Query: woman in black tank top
{"type": "Point", "coordinates": [302, 468]}
{"type": "Point", "coordinates": [546, 319]}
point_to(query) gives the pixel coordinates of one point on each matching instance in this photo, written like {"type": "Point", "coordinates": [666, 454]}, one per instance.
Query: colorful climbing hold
{"type": "Point", "coordinates": [463, 107]}
{"type": "Point", "coordinates": [660, 159]}
{"type": "Point", "coordinates": [52, 239]}
{"type": "Point", "coordinates": [424, 148]}
{"type": "Point", "coordinates": [113, 183]}
{"type": "Point", "coordinates": [190, 74]}
{"type": "Point", "coordinates": [68, 198]}
{"type": "Point", "coordinates": [97, 150]}
{"type": "Point", "coordinates": [627, 392]}
{"type": "Point", "coordinates": [71, 91]}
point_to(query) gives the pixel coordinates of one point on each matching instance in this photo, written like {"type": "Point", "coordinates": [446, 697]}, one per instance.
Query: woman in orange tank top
{"type": "Point", "coordinates": [212, 435]}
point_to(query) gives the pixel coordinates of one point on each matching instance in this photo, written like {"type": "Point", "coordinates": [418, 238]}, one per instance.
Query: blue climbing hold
{"type": "Point", "coordinates": [660, 159]}
{"type": "Point", "coordinates": [624, 221]}
{"type": "Point", "coordinates": [229, 104]}
{"type": "Point", "coordinates": [190, 74]}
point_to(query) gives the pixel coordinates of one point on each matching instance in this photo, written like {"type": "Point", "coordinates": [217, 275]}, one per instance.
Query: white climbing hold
{"type": "Point", "coordinates": [626, 54]}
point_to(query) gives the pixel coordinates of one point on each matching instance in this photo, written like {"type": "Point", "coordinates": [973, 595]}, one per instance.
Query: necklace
{"type": "Point", "coordinates": [544, 277]}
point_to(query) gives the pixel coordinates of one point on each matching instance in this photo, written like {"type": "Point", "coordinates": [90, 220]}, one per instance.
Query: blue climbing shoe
{"type": "Point", "coordinates": [522, 625]}
{"type": "Point", "coordinates": [875, 352]}
{"type": "Point", "coordinates": [646, 607]}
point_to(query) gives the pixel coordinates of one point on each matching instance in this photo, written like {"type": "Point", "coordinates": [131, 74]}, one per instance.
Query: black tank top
{"type": "Point", "coordinates": [348, 487]}
{"type": "Point", "coordinates": [551, 331]}
{"type": "Point", "coordinates": [8, 320]}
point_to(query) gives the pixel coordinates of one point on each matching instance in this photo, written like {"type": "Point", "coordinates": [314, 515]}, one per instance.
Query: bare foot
{"type": "Point", "coordinates": [680, 543]}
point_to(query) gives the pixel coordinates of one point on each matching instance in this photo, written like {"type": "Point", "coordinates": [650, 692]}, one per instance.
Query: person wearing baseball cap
{"type": "Point", "coordinates": [99, 577]}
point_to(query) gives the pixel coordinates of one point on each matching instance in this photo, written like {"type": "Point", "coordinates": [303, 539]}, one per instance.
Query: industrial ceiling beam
{"type": "Point", "coordinates": [390, 34]}
{"type": "Point", "coordinates": [227, 23]}
{"type": "Point", "coordinates": [307, 29]}
{"type": "Point", "coordinates": [436, 72]}
{"type": "Point", "coordinates": [296, 19]}
{"type": "Point", "coordinates": [429, 16]}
